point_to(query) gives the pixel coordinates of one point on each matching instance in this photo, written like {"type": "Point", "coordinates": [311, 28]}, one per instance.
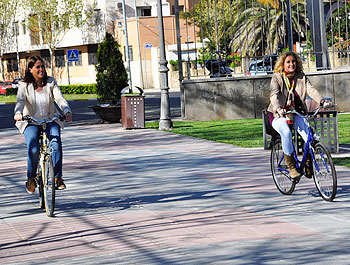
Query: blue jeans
{"type": "Point", "coordinates": [31, 135]}
{"type": "Point", "coordinates": [281, 126]}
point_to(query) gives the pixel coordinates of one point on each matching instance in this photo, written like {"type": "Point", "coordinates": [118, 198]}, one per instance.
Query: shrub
{"type": "Point", "coordinates": [79, 89]}
{"type": "Point", "coordinates": [111, 75]}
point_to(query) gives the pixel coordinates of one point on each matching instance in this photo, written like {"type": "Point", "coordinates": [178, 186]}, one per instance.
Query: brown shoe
{"type": "Point", "coordinates": [291, 163]}
{"type": "Point", "coordinates": [60, 184]}
{"type": "Point", "coordinates": [309, 173]}
{"type": "Point", "coordinates": [30, 185]}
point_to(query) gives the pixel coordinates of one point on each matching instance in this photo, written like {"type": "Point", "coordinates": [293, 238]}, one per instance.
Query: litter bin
{"type": "Point", "coordinates": [133, 111]}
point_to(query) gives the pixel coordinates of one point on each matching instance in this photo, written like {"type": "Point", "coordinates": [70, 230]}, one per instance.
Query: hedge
{"type": "Point", "coordinates": [79, 89]}
{"type": "Point", "coordinates": [69, 89]}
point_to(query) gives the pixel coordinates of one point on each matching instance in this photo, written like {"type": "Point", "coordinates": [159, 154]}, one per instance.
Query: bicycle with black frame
{"type": "Point", "coordinates": [324, 173]}
{"type": "Point", "coordinates": [45, 177]}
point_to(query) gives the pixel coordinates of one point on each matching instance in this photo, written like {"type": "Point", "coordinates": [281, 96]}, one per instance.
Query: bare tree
{"type": "Point", "coordinates": [7, 18]}
{"type": "Point", "coordinates": [50, 20]}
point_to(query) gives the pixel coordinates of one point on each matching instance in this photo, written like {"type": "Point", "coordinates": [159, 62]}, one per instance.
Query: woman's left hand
{"type": "Point", "coordinates": [68, 116]}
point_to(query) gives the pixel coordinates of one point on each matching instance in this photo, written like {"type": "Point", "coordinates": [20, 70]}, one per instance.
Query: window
{"type": "Point", "coordinates": [143, 11]}
{"type": "Point", "coordinates": [16, 28]}
{"type": "Point", "coordinates": [24, 27]}
{"type": "Point", "coordinates": [34, 30]}
{"type": "Point", "coordinates": [45, 54]}
{"type": "Point", "coordinates": [98, 17]}
{"type": "Point", "coordinates": [181, 9]}
{"type": "Point", "coordinates": [92, 51]}
{"type": "Point", "coordinates": [59, 58]}
{"type": "Point", "coordinates": [12, 65]}
{"type": "Point", "coordinates": [130, 53]}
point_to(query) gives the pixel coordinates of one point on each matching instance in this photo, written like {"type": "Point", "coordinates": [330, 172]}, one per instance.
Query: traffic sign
{"type": "Point", "coordinates": [73, 55]}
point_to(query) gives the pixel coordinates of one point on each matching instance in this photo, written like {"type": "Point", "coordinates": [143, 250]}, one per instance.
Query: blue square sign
{"type": "Point", "coordinates": [73, 55]}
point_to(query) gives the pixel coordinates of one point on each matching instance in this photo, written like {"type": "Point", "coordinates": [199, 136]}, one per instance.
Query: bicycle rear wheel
{"type": "Point", "coordinates": [39, 180]}
{"type": "Point", "coordinates": [325, 176]}
{"type": "Point", "coordinates": [49, 187]}
{"type": "Point", "coordinates": [280, 170]}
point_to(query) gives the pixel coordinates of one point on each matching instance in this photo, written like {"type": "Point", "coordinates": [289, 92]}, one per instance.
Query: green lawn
{"type": "Point", "coordinates": [66, 96]}
{"type": "Point", "coordinates": [245, 133]}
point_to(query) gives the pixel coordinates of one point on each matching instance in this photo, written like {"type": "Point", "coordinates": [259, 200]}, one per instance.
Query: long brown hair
{"type": "Point", "coordinates": [279, 67]}
{"type": "Point", "coordinates": [28, 77]}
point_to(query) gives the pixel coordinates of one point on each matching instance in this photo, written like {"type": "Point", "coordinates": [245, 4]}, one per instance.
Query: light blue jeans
{"type": "Point", "coordinates": [281, 126]}
{"type": "Point", "coordinates": [31, 135]}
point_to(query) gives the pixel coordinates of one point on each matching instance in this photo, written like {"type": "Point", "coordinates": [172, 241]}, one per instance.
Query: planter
{"type": "Point", "coordinates": [110, 114]}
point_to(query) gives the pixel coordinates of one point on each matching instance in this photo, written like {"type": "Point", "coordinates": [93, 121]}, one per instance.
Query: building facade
{"type": "Point", "coordinates": [107, 16]}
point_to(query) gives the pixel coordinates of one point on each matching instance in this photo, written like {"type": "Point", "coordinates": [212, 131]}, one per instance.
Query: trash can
{"type": "Point", "coordinates": [133, 111]}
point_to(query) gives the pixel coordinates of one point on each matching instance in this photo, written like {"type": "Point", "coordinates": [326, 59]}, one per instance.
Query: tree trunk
{"type": "Point", "coordinates": [2, 68]}
{"type": "Point", "coordinates": [51, 58]}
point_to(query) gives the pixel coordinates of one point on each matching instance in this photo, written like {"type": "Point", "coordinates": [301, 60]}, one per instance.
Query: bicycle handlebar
{"type": "Point", "coordinates": [310, 116]}
{"type": "Point", "coordinates": [31, 118]}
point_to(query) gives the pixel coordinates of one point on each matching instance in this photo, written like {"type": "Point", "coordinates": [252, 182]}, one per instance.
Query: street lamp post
{"type": "Point", "coordinates": [127, 56]}
{"type": "Point", "coordinates": [289, 26]}
{"type": "Point", "coordinates": [165, 122]}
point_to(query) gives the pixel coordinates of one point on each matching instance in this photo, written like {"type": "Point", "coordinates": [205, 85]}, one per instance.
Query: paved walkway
{"type": "Point", "coordinates": [152, 197]}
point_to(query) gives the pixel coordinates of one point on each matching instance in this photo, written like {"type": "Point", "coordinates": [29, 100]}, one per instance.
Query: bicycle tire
{"type": "Point", "coordinates": [279, 169]}
{"type": "Point", "coordinates": [325, 176]}
{"type": "Point", "coordinates": [39, 179]}
{"type": "Point", "coordinates": [49, 187]}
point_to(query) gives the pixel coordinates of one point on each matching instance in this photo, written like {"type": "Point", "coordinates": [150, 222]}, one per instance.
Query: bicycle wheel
{"type": "Point", "coordinates": [280, 170]}
{"type": "Point", "coordinates": [39, 181]}
{"type": "Point", "coordinates": [325, 176]}
{"type": "Point", "coordinates": [49, 187]}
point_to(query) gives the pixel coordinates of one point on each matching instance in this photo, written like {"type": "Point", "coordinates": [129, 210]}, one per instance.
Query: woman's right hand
{"type": "Point", "coordinates": [281, 111]}
{"type": "Point", "coordinates": [18, 117]}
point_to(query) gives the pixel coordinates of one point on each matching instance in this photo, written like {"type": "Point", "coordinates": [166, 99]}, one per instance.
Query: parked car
{"type": "Point", "coordinates": [263, 67]}
{"type": "Point", "coordinates": [259, 68]}
{"type": "Point", "coordinates": [219, 67]}
{"type": "Point", "coordinates": [4, 85]}
{"type": "Point", "coordinates": [15, 82]}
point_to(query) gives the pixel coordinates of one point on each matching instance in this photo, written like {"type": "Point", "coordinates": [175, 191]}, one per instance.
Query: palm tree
{"type": "Point", "coordinates": [261, 27]}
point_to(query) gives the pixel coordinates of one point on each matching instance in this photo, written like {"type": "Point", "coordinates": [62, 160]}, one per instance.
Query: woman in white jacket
{"type": "Point", "coordinates": [35, 97]}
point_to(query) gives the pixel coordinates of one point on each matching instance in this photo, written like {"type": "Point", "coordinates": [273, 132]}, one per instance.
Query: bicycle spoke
{"type": "Point", "coordinates": [324, 173]}
{"type": "Point", "coordinates": [280, 171]}
{"type": "Point", "coordinates": [49, 187]}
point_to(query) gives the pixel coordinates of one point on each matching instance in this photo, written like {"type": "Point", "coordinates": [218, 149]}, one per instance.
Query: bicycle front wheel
{"type": "Point", "coordinates": [279, 169]}
{"type": "Point", "coordinates": [49, 187]}
{"type": "Point", "coordinates": [324, 172]}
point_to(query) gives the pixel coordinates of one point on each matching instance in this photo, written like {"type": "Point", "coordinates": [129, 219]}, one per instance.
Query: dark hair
{"type": "Point", "coordinates": [28, 77]}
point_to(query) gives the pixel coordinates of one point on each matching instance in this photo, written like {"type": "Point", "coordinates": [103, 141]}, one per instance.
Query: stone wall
{"type": "Point", "coordinates": [245, 97]}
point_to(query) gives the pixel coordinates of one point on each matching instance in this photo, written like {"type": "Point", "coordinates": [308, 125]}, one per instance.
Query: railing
{"type": "Point", "coordinates": [251, 33]}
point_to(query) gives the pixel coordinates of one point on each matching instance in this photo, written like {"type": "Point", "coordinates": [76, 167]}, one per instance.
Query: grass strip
{"type": "Point", "coordinates": [244, 133]}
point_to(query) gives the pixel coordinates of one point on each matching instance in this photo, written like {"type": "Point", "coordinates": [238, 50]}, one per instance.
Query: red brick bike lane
{"type": "Point", "coordinates": [152, 197]}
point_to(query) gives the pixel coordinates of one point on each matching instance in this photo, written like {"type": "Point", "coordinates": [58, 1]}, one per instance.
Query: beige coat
{"type": "Point", "coordinates": [279, 92]}
{"type": "Point", "coordinates": [27, 106]}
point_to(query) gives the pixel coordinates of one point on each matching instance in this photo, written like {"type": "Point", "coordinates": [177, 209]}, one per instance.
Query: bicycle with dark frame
{"type": "Point", "coordinates": [324, 173]}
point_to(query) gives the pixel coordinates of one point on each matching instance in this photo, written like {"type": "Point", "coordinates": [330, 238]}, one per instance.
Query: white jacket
{"type": "Point", "coordinates": [26, 104]}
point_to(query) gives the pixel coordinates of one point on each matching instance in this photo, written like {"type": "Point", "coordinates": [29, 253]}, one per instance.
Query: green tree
{"type": "Point", "coordinates": [7, 18]}
{"type": "Point", "coordinates": [52, 19]}
{"type": "Point", "coordinates": [247, 27]}
{"type": "Point", "coordinates": [262, 27]}
{"type": "Point", "coordinates": [111, 75]}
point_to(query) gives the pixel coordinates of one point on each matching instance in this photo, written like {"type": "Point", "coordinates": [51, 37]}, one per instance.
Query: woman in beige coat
{"type": "Point", "coordinates": [35, 97]}
{"type": "Point", "coordinates": [288, 90]}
